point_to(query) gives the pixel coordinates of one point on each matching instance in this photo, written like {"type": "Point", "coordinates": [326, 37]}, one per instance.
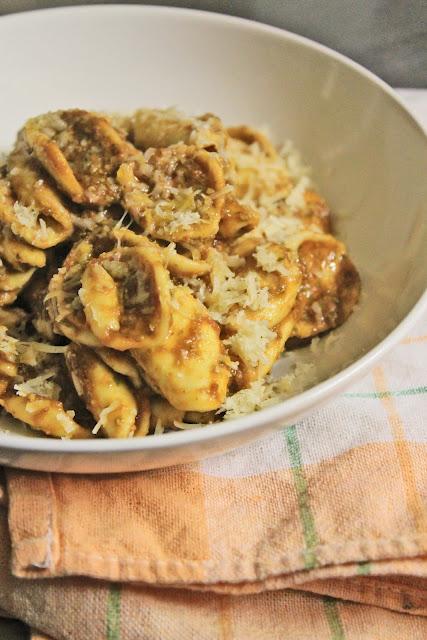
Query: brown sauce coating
{"type": "Point", "coordinates": [329, 291]}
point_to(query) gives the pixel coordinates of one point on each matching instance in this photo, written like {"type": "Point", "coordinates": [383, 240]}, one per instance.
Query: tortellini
{"type": "Point", "coordinates": [236, 219]}
{"type": "Point", "coordinates": [330, 286]}
{"type": "Point", "coordinates": [156, 128]}
{"type": "Point", "coordinates": [43, 414]}
{"type": "Point", "coordinates": [121, 362]}
{"type": "Point", "coordinates": [174, 193]}
{"type": "Point", "coordinates": [19, 254]}
{"type": "Point", "coordinates": [190, 368]}
{"type": "Point", "coordinates": [106, 394]}
{"type": "Point", "coordinates": [38, 215]}
{"type": "Point", "coordinates": [11, 282]}
{"type": "Point", "coordinates": [265, 318]}
{"type": "Point", "coordinates": [81, 151]}
{"type": "Point", "coordinates": [126, 298]}
{"type": "Point", "coordinates": [154, 266]}
{"type": "Point", "coordinates": [62, 300]}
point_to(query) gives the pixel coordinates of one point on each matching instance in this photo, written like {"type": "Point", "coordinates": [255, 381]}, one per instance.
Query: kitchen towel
{"type": "Point", "coordinates": [289, 532]}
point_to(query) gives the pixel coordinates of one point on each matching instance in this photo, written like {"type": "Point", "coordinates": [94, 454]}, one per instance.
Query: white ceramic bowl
{"type": "Point", "coordinates": [369, 158]}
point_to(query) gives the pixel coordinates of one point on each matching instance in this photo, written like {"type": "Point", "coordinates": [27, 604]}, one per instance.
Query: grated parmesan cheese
{"type": "Point", "coordinates": [183, 220]}
{"type": "Point", "coordinates": [295, 199]}
{"type": "Point", "coordinates": [102, 416]}
{"type": "Point", "coordinates": [279, 228]}
{"type": "Point", "coordinates": [33, 353]}
{"type": "Point", "coordinates": [40, 385]}
{"type": "Point", "coordinates": [42, 233]}
{"type": "Point", "coordinates": [120, 223]}
{"type": "Point", "coordinates": [66, 419]}
{"type": "Point", "coordinates": [27, 216]}
{"type": "Point", "coordinates": [198, 288]}
{"type": "Point", "coordinates": [256, 296]}
{"type": "Point", "coordinates": [268, 261]}
{"type": "Point", "coordinates": [251, 340]}
{"type": "Point", "coordinates": [260, 179]}
{"type": "Point", "coordinates": [234, 262]}
{"type": "Point", "coordinates": [89, 222]}
{"type": "Point", "coordinates": [229, 289]}
{"type": "Point", "coordinates": [294, 161]}
{"type": "Point", "coordinates": [244, 401]}
{"type": "Point", "coordinates": [169, 251]}
{"type": "Point", "coordinates": [8, 344]}
{"type": "Point", "coordinates": [264, 393]}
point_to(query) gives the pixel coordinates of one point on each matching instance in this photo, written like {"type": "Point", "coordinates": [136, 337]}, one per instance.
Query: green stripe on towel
{"type": "Point", "coordinates": [300, 483]}
{"type": "Point", "coordinates": [113, 612]}
{"type": "Point", "coordinates": [413, 391]}
{"type": "Point", "coordinates": [364, 569]}
{"type": "Point", "coordinates": [333, 617]}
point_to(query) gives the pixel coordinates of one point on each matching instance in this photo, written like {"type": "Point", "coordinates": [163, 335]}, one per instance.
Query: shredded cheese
{"type": "Point", "coordinates": [183, 220]}
{"type": "Point", "coordinates": [251, 340]}
{"type": "Point", "coordinates": [40, 386]}
{"type": "Point", "coordinates": [198, 288]}
{"type": "Point", "coordinates": [268, 261]}
{"type": "Point", "coordinates": [67, 420]}
{"type": "Point", "coordinates": [228, 289]}
{"type": "Point", "coordinates": [295, 199]}
{"type": "Point", "coordinates": [42, 233]}
{"type": "Point", "coordinates": [27, 216]}
{"type": "Point", "coordinates": [234, 262]}
{"type": "Point", "coordinates": [181, 212]}
{"type": "Point", "coordinates": [159, 428]}
{"type": "Point", "coordinates": [244, 401]}
{"type": "Point", "coordinates": [120, 223]}
{"type": "Point", "coordinates": [169, 251]}
{"type": "Point", "coordinates": [8, 344]}
{"type": "Point", "coordinates": [293, 160]}
{"type": "Point", "coordinates": [33, 353]}
{"type": "Point", "coordinates": [89, 222]}
{"type": "Point", "coordinates": [264, 393]}
{"type": "Point", "coordinates": [103, 415]}
{"type": "Point", "coordinates": [279, 228]}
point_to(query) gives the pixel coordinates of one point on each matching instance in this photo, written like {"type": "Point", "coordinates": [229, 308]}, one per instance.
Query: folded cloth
{"type": "Point", "coordinates": [334, 507]}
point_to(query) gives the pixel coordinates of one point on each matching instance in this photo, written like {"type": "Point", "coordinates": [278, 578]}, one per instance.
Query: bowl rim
{"type": "Point", "coordinates": [298, 404]}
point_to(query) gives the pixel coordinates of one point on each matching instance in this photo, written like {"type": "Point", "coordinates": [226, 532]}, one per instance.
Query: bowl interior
{"type": "Point", "coordinates": [368, 155]}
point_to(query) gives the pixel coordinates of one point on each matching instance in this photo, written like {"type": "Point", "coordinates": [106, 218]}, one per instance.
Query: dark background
{"type": "Point", "coordinates": [387, 36]}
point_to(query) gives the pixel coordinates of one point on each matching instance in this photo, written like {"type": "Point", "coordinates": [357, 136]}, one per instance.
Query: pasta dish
{"type": "Point", "coordinates": [153, 269]}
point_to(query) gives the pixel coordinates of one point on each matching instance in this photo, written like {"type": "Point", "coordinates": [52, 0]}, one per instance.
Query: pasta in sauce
{"type": "Point", "coordinates": [153, 268]}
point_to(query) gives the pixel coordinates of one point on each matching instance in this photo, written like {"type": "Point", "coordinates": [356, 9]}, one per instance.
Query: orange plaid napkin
{"type": "Point", "coordinates": [319, 531]}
